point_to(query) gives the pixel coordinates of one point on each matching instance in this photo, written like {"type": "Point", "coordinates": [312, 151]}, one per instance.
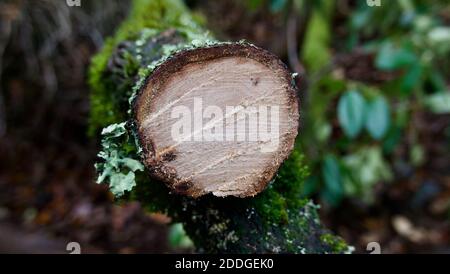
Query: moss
{"type": "Point", "coordinates": [285, 192]}
{"type": "Point", "coordinates": [274, 221]}
{"type": "Point", "coordinates": [272, 205]}
{"type": "Point", "coordinates": [337, 244]}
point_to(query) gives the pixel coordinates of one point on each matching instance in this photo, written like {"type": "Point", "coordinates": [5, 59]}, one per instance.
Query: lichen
{"type": "Point", "coordinates": [119, 162]}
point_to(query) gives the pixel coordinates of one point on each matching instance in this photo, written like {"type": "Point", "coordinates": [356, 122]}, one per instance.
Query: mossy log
{"type": "Point", "coordinates": [159, 40]}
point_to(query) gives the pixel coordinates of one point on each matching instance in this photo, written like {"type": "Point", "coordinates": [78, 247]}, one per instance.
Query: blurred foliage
{"type": "Point", "coordinates": [353, 125]}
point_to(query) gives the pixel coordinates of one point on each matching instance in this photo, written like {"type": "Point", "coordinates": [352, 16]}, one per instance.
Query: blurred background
{"type": "Point", "coordinates": [375, 95]}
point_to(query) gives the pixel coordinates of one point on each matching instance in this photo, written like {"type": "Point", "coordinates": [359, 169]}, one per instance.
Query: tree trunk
{"type": "Point", "coordinates": [160, 59]}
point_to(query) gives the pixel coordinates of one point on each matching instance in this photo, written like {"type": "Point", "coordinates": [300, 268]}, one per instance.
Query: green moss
{"type": "Point", "coordinates": [337, 244]}
{"type": "Point", "coordinates": [272, 205]}
{"type": "Point", "coordinates": [291, 177]}
{"type": "Point", "coordinates": [277, 220]}
{"type": "Point", "coordinates": [285, 192]}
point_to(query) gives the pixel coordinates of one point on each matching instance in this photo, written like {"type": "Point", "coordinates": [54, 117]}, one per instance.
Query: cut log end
{"type": "Point", "coordinates": [218, 120]}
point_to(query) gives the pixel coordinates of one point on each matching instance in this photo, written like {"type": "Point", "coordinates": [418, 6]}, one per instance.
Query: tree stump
{"type": "Point", "coordinates": [203, 120]}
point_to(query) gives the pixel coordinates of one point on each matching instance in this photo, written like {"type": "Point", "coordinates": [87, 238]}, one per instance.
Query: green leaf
{"type": "Point", "coordinates": [351, 113]}
{"type": "Point", "coordinates": [391, 58]}
{"type": "Point", "coordinates": [439, 103]}
{"type": "Point", "coordinates": [322, 130]}
{"type": "Point", "coordinates": [439, 35]}
{"type": "Point", "coordinates": [378, 118]}
{"type": "Point", "coordinates": [411, 78]}
{"type": "Point", "coordinates": [316, 51]}
{"type": "Point", "coordinates": [367, 167]}
{"type": "Point", "coordinates": [332, 178]}
{"type": "Point", "coordinates": [277, 5]}
{"type": "Point", "coordinates": [360, 19]}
